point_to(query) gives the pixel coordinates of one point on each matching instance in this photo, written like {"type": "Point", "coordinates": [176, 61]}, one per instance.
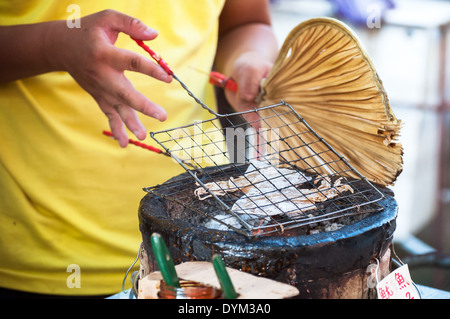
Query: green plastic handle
{"type": "Point", "coordinates": [164, 261]}
{"type": "Point", "coordinates": [224, 279]}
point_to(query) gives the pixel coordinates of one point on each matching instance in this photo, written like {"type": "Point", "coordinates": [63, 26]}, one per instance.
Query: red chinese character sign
{"type": "Point", "coordinates": [397, 285]}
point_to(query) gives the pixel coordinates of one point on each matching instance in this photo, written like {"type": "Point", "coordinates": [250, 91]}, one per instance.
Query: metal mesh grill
{"type": "Point", "coordinates": [272, 175]}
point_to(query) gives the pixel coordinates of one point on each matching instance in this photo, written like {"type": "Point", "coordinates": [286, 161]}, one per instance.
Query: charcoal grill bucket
{"type": "Point", "coordinates": [322, 265]}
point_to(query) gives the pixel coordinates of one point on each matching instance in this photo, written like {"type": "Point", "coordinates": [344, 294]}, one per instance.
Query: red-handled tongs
{"type": "Point", "coordinates": [215, 78]}
{"type": "Point", "coordinates": [155, 56]}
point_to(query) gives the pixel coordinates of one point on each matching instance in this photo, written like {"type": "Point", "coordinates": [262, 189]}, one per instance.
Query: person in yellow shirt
{"type": "Point", "coordinates": [68, 195]}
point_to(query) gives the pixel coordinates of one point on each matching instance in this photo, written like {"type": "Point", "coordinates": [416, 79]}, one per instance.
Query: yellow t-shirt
{"type": "Point", "coordinates": [68, 194]}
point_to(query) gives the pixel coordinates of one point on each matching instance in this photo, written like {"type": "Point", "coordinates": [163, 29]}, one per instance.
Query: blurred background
{"type": "Point", "coordinates": [408, 42]}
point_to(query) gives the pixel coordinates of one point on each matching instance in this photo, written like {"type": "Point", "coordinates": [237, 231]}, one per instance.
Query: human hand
{"type": "Point", "coordinates": [89, 55]}
{"type": "Point", "coordinates": [248, 72]}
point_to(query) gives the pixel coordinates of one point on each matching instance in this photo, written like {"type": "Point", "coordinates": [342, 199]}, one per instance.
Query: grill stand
{"type": "Point", "coordinates": [333, 264]}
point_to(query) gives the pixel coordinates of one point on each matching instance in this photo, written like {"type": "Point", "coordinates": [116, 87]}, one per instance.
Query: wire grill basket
{"type": "Point", "coordinates": [255, 179]}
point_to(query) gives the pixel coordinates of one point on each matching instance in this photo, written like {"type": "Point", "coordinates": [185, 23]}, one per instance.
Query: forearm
{"type": "Point", "coordinates": [255, 38]}
{"type": "Point", "coordinates": [24, 52]}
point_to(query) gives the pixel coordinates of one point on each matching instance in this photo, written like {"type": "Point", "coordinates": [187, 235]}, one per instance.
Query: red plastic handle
{"type": "Point", "coordinates": [147, 147]}
{"type": "Point", "coordinates": [221, 80]}
{"type": "Point", "coordinates": [155, 56]}
{"type": "Point", "coordinates": [215, 78]}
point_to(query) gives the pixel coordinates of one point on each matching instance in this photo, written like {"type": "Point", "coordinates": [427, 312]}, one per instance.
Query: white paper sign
{"type": "Point", "coordinates": [397, 285]}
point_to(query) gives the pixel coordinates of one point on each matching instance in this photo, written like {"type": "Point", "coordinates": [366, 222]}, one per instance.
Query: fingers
{"type": "Point", "coordinates": [122, 59]}
{"type": "Point", "coordinates": [115, 123]}
{"type": "Point", "coordinates": [131, 26]}
{"type": "Point", "coordinates": [132, 61]}
{"type": "Point", "coordinates": [249, 85]}
{"type": "Point", "coordinates": [120, 104]}
{"type": "Point", "coordinates": [248, 71]}
{"type": "Point", "coordinates": [118, 115]}
{"type": "Point", "coordinates": [126, 94]}
{"type": "Point", "coordinates": [103, 72]}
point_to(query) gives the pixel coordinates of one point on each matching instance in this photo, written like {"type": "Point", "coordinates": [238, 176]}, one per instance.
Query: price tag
{"type": "Point", "coordinates": [397, 285]}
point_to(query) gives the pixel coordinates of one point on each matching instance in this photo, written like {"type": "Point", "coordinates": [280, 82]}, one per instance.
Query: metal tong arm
{"type": "Point", "coordinates": [166, 68]}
